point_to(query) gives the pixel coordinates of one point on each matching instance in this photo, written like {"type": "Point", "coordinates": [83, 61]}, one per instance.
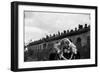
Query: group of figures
{"type": "Point", "coordinates": [64, 50]}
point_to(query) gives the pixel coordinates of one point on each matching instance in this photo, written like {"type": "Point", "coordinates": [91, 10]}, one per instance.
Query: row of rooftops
{"type": "Point", "coordinates": [81, 29]}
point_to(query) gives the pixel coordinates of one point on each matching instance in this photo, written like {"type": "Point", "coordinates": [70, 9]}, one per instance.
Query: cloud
{"type": "Point", "coordinates": [39, 23]}
{"type": "Point", "coordinates": [34, 33]}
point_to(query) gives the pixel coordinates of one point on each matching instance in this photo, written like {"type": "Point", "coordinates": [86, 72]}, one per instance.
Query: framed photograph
{"type": "Point", "coordinates": [52, 36]}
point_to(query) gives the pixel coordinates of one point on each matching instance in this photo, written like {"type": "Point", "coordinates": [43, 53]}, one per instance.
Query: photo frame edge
{"type": "Point", "coordinates": [14, 37]}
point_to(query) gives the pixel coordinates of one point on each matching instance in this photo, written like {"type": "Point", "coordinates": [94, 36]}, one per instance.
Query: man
{"type": "Point", "coordinates": [54, 55]}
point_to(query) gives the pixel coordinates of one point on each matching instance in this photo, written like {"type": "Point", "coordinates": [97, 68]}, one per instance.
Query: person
{"type": "Point", "coordinates": [65, 50]}
{"type": "Point", "coordinates": [69, 50]}
{"type": "Point", "coordinates": [67, 54]}
{"type": "Point", "coordinates": [54, 55]}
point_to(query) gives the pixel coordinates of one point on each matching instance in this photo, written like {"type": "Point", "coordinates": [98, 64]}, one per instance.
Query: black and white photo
{"type": "Point", "coordinates": [52, 36]}
{"type": "Point", "coordinates": [56, 36]}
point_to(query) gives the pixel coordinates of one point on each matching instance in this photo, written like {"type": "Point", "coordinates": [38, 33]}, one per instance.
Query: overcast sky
{"type": "Point", "coordinates": [39, 24]}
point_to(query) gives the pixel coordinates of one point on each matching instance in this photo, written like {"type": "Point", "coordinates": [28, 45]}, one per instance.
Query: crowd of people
{"type": "Point", "coordinates": [63, 49]}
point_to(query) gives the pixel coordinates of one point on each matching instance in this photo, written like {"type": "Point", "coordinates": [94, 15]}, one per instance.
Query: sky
{"type": "Point", "coordinates": [40, 24]}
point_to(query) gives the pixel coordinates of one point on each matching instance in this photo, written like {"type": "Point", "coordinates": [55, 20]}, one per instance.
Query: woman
{"type": "Point", "coordinates": [69, 50]}
{"type": "Point", "coordinates": [66, 50]}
